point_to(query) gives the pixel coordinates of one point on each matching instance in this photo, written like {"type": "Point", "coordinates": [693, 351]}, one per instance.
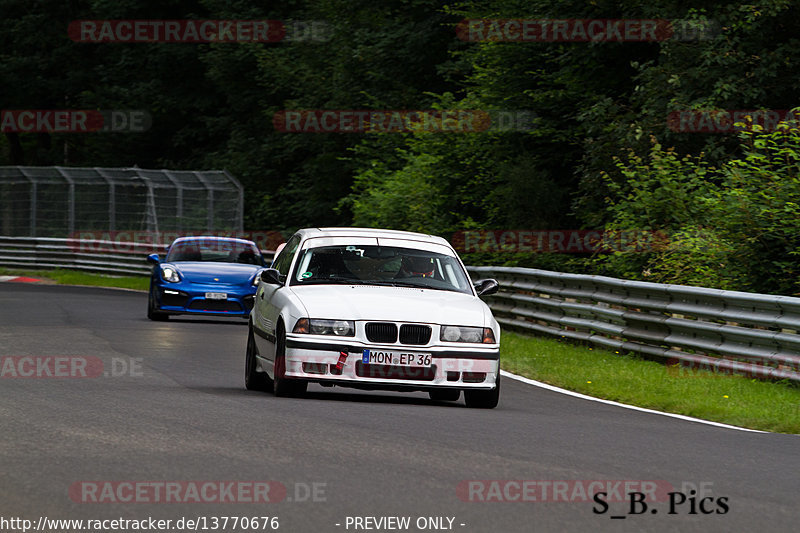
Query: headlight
{"type": "Point", "coordinates": [462, 334]}
{"type": "Point", "coordinates": [317, 326]}
{"type": "Point", "coordinates": [170, 274]}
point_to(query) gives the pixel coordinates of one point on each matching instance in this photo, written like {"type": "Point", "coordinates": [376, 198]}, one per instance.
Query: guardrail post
{"type": "Point", "coordinates": [34, 194]}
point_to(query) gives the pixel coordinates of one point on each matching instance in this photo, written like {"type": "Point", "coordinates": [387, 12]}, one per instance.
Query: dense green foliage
{"type": "Point", "coordinates": [735, 226]}
{"type": "Point", "coordinates": [600, 153]}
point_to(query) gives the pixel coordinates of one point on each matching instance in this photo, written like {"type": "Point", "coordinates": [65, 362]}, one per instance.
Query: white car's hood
{"type": "Point", "coordinates": [398, 304]}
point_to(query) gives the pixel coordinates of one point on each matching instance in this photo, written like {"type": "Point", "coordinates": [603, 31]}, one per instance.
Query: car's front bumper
{"type": "Point", "coordinates": [190, 298]}
{"type": "Point", "coordinates": [468, 367]}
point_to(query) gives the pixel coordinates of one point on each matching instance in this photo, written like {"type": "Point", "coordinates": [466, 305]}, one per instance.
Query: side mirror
{"type": "Point", "coordinates": [153, 259]}
{"type": "Point", "coordinates": [271, 276]}
{"type": "Point", "coordinates": [485, 287]}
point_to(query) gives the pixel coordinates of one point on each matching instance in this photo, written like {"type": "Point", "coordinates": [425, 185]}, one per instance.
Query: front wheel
{"type": "Point", "coordinates": [152, 313]}
{"type": "Point", "coordinates": [483, 399]}
{"type": "Point", "coordinates": [254, 380]}
{"type": "Point", "coordinates": [283, 386]}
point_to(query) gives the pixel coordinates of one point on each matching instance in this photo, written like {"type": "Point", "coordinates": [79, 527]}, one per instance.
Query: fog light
{"type": "Point", "coordinates": [315, 368]}
{"type": "Point", "coordinates": [474, 377]}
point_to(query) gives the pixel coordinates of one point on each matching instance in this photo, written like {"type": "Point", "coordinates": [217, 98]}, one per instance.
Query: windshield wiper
{"type": "Point", "coordinates": [400, 283]}
{"type": "Point", "coordinates": [397, 283]}
{"type": "Point", "coordinates": [332, 281]}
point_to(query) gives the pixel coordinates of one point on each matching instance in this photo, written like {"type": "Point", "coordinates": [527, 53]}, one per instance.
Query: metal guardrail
{"type": "Point", "coordinates": [102, 257]}
{"type": "Point", "coordinates": [97, 256]}
{"type": "Point", "coordinates": [694, 327]}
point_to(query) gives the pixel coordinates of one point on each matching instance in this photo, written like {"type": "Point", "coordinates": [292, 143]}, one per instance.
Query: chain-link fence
{"type": "Point", "coordinates": [63, 201]}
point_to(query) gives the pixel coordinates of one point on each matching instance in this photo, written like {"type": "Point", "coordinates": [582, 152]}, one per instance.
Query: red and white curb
{"type": "Point", "coordinates": [18, 279]}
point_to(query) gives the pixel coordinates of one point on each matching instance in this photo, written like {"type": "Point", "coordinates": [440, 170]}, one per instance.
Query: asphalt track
{"type": "Point", "coordinates": [183, 414]}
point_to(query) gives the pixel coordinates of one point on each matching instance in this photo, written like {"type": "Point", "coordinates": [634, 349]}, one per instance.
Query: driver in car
{"type": "Point", "coordinates": [415, 267]}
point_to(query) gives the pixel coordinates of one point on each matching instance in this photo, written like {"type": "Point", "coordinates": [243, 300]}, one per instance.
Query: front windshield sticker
{"type": "Point", "coordinates": [306, 274]}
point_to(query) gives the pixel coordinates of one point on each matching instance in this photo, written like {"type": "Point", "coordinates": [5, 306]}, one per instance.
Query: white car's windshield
{"type": "Point", "coordinates": [380, 265]}
{"type": "Point", "coordinates": [215, 250]}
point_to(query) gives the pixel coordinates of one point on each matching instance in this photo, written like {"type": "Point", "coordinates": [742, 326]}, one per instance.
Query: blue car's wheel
{"type": "Point", "coordinates": [152, 313]}
{"type": "Point", "coordinates": [254, 380]}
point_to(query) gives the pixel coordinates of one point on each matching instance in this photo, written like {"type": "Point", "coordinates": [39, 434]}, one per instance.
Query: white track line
{"type": "Point", "coordinates": [617, 404]}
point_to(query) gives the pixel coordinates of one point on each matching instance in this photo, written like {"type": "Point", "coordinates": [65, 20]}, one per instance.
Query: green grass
{"type": "Point", "coordinates": [735, 400]}
{"type": "Point", "coordinates": [73, 277]}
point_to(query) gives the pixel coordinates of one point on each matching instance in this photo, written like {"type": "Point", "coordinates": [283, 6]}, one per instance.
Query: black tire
{"type": "Point", "coordinates": [445, 395]}
{"type": "Point", "coordinates": [254, 380]}
{"type": "Point", "coordinates": [483, 399]}
{"type": "Point", "coordinates": [152, 314]}
{"type": "Point", "coordinates": [282, 386]}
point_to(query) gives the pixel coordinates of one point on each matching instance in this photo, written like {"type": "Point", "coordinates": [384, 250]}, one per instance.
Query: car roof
{"type": "Point", "coordinates": [210, 237]}
{"type": "Point", "coordinates": [371, 232]}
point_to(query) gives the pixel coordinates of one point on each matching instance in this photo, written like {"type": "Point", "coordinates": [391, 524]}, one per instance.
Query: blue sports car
{"type": "Point", "coordinates": [204, 276]}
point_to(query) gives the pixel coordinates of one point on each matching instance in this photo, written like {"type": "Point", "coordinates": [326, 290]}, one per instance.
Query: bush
{"type": "Point", "coordinates": [732, 227]}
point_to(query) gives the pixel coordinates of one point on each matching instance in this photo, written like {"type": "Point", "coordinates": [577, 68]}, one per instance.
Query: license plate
{"type": "Point", "coordinates": [216, 296]}
{"type": "Point", "coordinates": [389, 357]}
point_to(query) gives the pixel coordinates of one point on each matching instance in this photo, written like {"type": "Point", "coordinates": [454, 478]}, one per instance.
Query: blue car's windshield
{"type": "Point", "coordinates": [380, 265]}
{"type": "Point", "coordinates": [214, 250]}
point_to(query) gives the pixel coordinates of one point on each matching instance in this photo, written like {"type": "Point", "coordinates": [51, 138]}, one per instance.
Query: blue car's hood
{"type": "Point", "coordinates": [209, 272]}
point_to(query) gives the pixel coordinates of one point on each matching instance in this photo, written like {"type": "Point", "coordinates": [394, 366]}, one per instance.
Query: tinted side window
{"type": "Point", "coordinates": [284, 260]}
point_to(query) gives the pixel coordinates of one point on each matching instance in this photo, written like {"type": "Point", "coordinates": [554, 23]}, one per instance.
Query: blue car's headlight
{"type": "Point", "coordinates": [169, 273]}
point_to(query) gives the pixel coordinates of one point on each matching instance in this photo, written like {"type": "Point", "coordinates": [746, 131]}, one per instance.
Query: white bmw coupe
{"type": "Point", "coordinates": [373, 309]}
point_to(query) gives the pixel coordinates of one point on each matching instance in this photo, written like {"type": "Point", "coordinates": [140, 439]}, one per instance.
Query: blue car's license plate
{"type": "Point", "coordinates": [216, 296]}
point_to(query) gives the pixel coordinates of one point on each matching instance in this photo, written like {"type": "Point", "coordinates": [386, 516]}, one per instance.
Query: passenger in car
{"type": "Point", "coordinates": [329, 265]}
